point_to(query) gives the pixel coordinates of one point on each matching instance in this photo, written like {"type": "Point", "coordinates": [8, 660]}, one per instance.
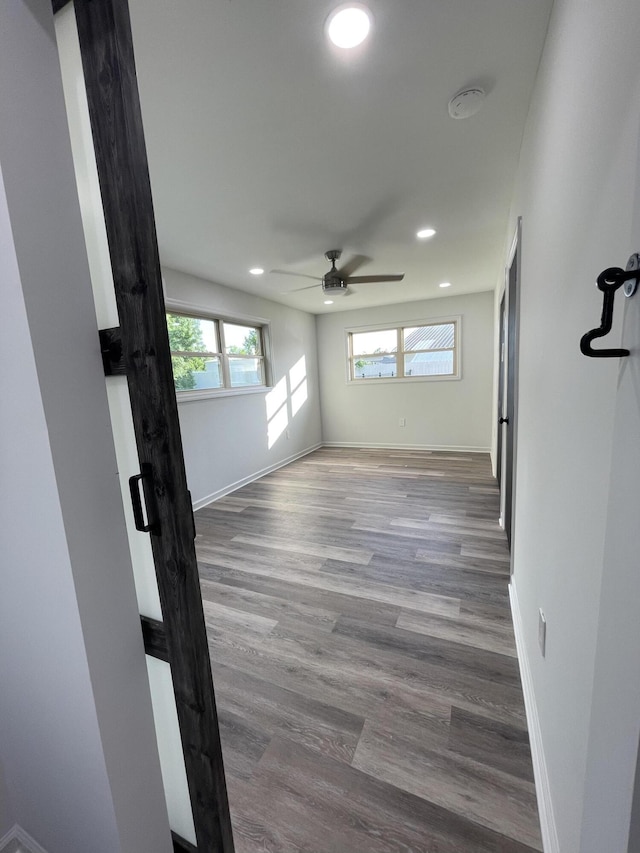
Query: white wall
{"type": "Point", "coordinates": [76, 731]}
{"type": "Point", "coordinates": [439, 414]}
{"type": "Point", "coordinates": [577, 181]}
{"type": "Point", "coordinates": [49, 737]}
{"type": "Point", "coordinates": [227, 439]}
{"type": "Point", "coordinates": [612, 768]}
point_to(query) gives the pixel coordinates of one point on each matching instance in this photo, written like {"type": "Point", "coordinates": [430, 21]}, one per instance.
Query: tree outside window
{"type": "Point", "coordinates": [185, 335]}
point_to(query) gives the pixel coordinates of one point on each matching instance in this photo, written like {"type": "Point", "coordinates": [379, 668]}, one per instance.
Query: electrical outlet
{"type": "Point", "coordinates": [403, 422]}
{"type": "Point", "coordinates": [542, 632]}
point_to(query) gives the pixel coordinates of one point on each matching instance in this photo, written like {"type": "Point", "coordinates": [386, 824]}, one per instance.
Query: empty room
{"type": "Point", "coordinates": [321, 453]}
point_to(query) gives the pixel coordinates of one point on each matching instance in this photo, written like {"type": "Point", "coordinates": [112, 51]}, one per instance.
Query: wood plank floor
{"type": "Point", "coordinates": [363, 657]}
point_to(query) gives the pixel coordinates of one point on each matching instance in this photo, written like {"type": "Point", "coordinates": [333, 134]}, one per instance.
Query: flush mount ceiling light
{"type": "Point", "coordinates": [348, 25]}
{"type": "Point", "coordinates": [328, 301]}
{"type": "Point", "coordinates": [425, 233]}
{"type": "Point", "coordinates": [445, 284]}
{"type": "Point", "coordinates": [256, 271]}
{"type": "Point", "coordinates": [466, 103]}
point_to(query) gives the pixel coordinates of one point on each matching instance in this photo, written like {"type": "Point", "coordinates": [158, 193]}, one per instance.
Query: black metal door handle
{"type": "Point", "coordinates": [503, 421]}
{"type": "Point", "coordinates": [145, 478]}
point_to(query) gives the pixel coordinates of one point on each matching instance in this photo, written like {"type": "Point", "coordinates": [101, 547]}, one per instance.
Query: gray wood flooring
{"type": "Point", "coordinates": [363, 658]}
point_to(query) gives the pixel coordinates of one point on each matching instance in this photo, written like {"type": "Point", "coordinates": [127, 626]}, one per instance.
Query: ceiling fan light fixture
{"type": "Point", "coordinates": [256, 271]}
{"type": "Point", "coordinates": [334, 289]}
{"type": "Point", "coordinates": [425, 233]}
{"type": "Point", "coordinates": [348, 25]}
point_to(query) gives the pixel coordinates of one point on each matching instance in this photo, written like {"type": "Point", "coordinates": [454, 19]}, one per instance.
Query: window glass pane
{"type": "Point", "coordinates": [367, 343]}
{"type": "Point", "coordinates": [245, 371]}
{"type": "Point", "coordinates": [374, 367]}
{"type": "Point", "coordinates": [429, 363]}
{"type": "Point", "coordinates": [429, 337]}
{"type": "Point", "coordinates": [242, 340]}
{"type": "Point", "coordinates": [192, 334]}
{"type": "Point", "coordinates": [193, 373]}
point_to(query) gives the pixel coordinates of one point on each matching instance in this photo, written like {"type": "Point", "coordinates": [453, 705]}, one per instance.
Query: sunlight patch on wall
{"type": "Point", "coordinates": [276, 398]}
{"type": "Point", "coordinates": [276, 426]}
{"type": "Point", "coordinates": [288, 396]}
{"type": "Point", "coordinates": [299, 398]}
{"type": "Point", "coordinates": [277, 416]}
{"type": "Point", "coordinates": [298, 385]}
{"type": "Point", "coordinates": [298, 373]}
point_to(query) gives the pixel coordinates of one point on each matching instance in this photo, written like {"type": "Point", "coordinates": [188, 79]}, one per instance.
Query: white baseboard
{"type": "Point", "coordinates": [446, 448]}
{"type": "Point", "coordinates": [226, 490]}
{"type": "Point", "coordinates": [19, 841]}
{"type": "Point", "coordinates": [550, 841]}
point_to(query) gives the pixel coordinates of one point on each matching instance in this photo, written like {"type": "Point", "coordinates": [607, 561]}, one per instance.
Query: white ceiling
{"type": "Point", "coordinates": [268, 147]}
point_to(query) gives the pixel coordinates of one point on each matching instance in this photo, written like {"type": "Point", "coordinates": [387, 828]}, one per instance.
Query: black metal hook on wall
{"type": "Point", "coordinates": [608, 282]}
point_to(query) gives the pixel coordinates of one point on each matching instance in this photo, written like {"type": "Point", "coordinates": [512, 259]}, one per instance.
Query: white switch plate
{"type": "Point", "coordinates": [542, 632]}
{"type": "Point", "coordinates": [403, 421]}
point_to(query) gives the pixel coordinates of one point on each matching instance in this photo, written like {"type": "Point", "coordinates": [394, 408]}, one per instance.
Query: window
{"type": "Point", "coordinates": [373, 354]}
{"type": "Point", "coordinates": [243, 349]}
{"type": "Point", "coordinates": [209, 353]}
{"type": "Point", "coordinates": [425, 351]}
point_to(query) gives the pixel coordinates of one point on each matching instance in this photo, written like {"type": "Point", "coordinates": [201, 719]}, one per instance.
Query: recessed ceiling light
{"type": "Point", "coordinates": [445, 284]}
{"type": "Point", "coordinates": [256, 271]}
{"type": "Point", "coordinates": [425, 233]}
{"type": "Point", "coordinates": [328, 301]}
{"type": "Point", "coordinates": [349, 25]}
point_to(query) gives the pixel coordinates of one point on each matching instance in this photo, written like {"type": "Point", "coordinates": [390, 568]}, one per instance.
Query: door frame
{"type": "Point", "coordinates": [508, 442]}
{"type": "Point", "coordinates": [502, 314]}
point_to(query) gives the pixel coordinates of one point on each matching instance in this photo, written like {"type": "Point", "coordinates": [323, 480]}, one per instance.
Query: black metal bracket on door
{"type": "Point", "coordinates": [111, 351]}
{"type": "Point", "coordinates": [608, 282]}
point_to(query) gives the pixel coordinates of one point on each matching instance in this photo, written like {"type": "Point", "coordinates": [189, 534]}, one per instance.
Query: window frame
{"type": "Point", "coordinates": [199, 312]}
{"type": "Point", "coordinates": [400, 353]}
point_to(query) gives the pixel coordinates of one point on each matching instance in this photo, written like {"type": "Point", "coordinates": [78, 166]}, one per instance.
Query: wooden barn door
{"type": "Point", "coordinates": [138, 348]}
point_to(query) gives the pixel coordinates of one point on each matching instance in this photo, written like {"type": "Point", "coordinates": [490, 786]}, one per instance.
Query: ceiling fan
{"type": "Point", "coordinates": [336, 282]}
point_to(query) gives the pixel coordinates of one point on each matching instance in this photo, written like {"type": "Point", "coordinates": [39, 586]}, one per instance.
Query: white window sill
{"type": "Point", "coordinates": [395, 379]}
{"type": "Point", "coordinates": [212, 393]}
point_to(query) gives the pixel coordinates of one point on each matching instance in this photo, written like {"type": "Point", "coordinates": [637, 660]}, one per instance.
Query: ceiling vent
{"type": "Point", "coordinates": [466, 103]}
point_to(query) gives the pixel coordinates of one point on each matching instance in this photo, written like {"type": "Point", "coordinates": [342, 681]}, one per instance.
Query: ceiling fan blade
{"type": "Point", "coordinates": [298, 274]}
{"type": "Point", "coordinates": [298, 289]}
{"type": "Point", "coordinates": [351, 266]}
{"type": "Point", "coordinates": [365, 279]}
